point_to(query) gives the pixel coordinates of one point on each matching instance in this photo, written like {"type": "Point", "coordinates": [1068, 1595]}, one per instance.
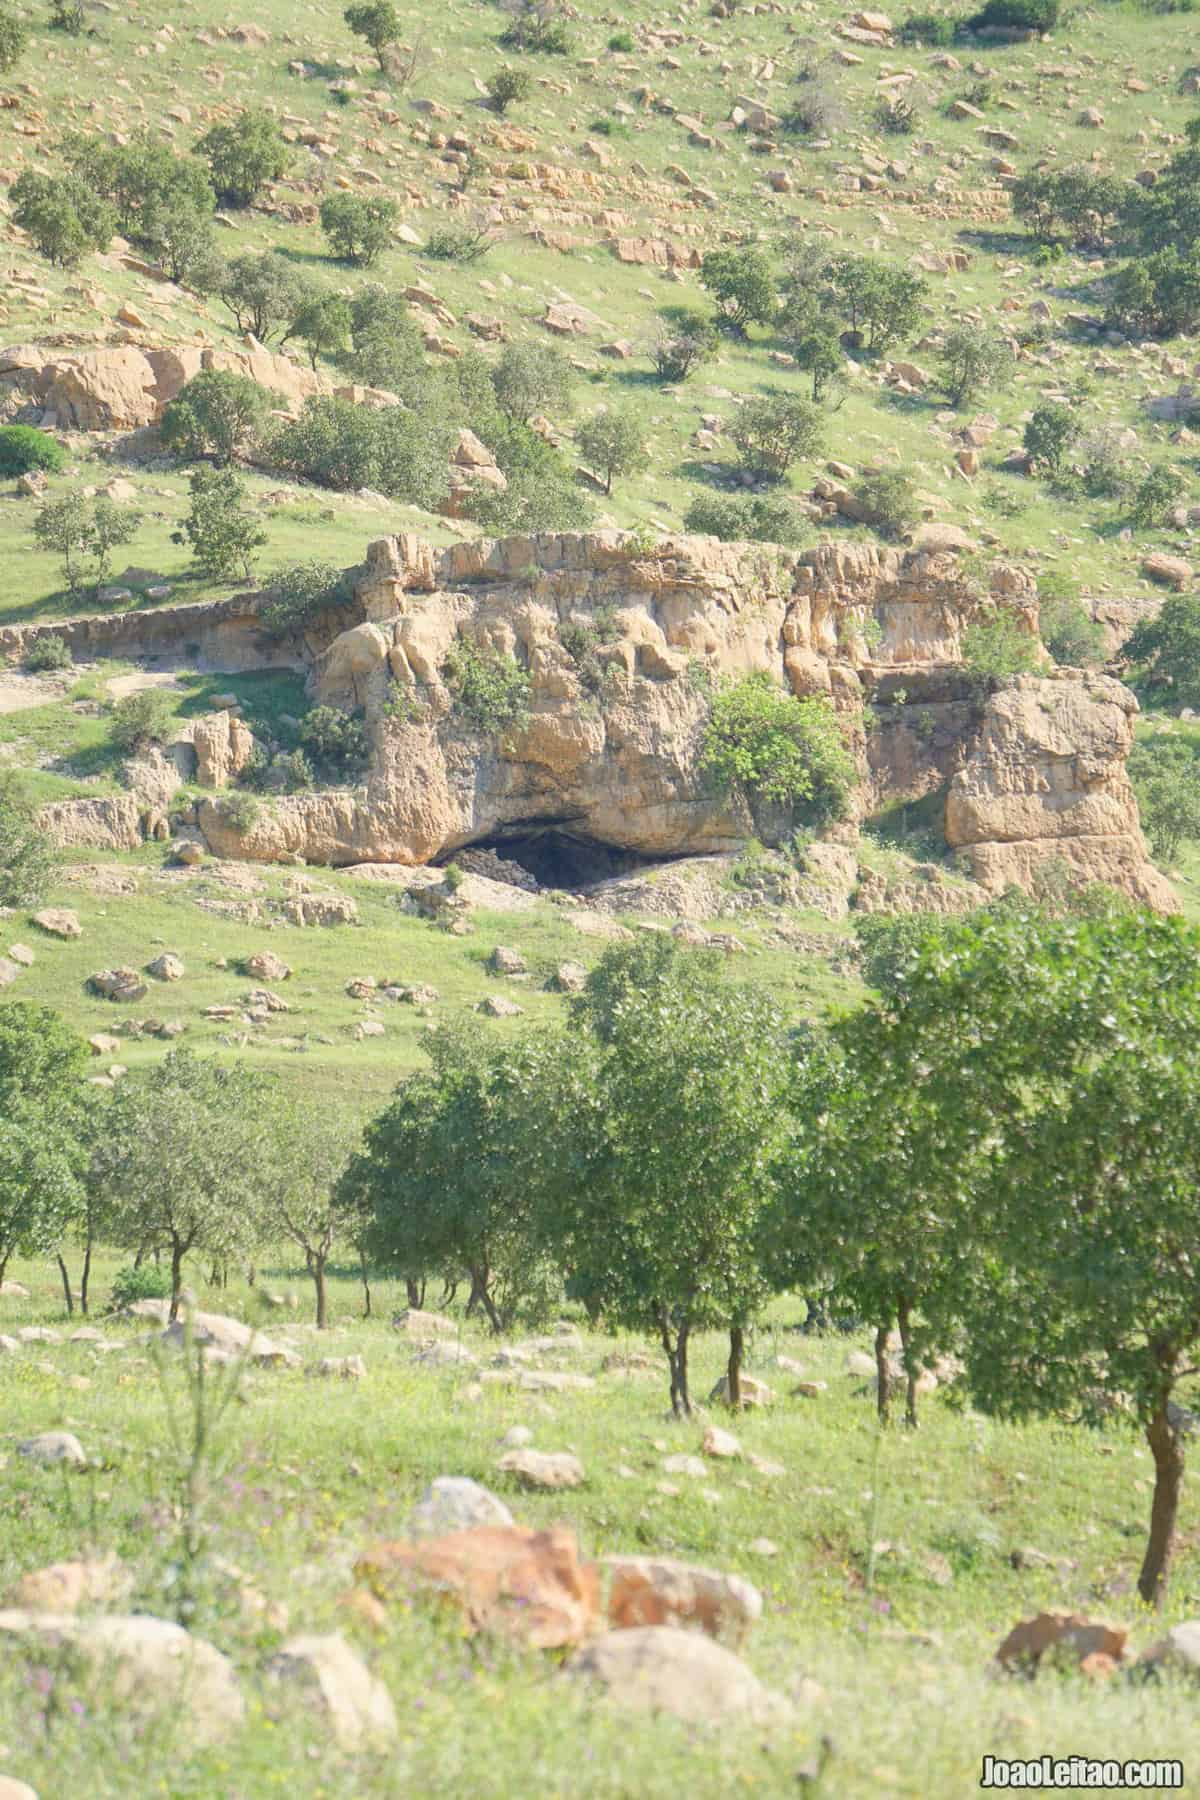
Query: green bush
{"type": "Point", "coordinates": [890, 498]}
{"type": "Point", "coordinates": [224, 535]}
{"type": "Point", "coordinates": [507, 85]}
{"type": "Point", "coordinates": [747, 518]}
{"type": "Point", "coordinates": [26, 860]}
{"type": "Point", "coordinates": [774, 430]}
{"type": "Point", "coordinates": [84, 533]}
{"type": "Point", "coordinates": [1165, 772]}
{"type": "Point", "coordinates": [218, 414]}
{"type": "Point", "coordinates": [771, 747]}
{"type": "Point", "coordinates": [335, 739]}
{"type": "Point", "coordinates": [240, 811]}
{"type": "Point", "coordinates": [998, 646]}
{"type": "Point", "coordinates": [1167, 649]}
{"type": "Point", "coordinates": [1156, 495]}
{"type": "Point", "coordinates": [358, 226]}
{"type": "Point", "coordinates": [459, 243]}
{"type": "Point", "coordinates": [933, 29]}
{"type": "Point", "coordinates": [1073, 638]}
{"type": "Point", "coordinates": [1015, 15]}
{"type": "Point", "coordinates": [742, 283]}
{"type": "Point", "coordinates": [131, 1284]}
{"type": "Point", "coordinates": [24, 447]}
{"type": "Point", "coordinates": [537, 26]}
{"type": "Point", "coordinates": [47, 654]}
{"type": "Point", "coordinates": [391, 449]}
{"type": "Point", "coordinates": [300, 593]}
{"type": "Point", "coordinates": [14, 36]}
{"type": "Point", "coordinates": [62, 215]}
{"type": "Point", "coordinates": [141, 719]}
{"type": "Point", "coordinates": [244, 156]}
{"type": "Point", "coordinates": [532, 378]}
{"type": "Point", "coordinates": [622, 43]}
{"type": "Point", "coordinates": [973, 358]}
{"type": "Point", "coordinates": [378, 22]}
{"type": "Point", "coordinates": [612, 442]}
{"type": "Point", "coordinates": [1049, 434]}
{"type": "Point", "coordinates": [491, 689]}
{"type": "Point", "coordinates": [687, 338]}
{"type": "Point", "coordinates": [264, 292]}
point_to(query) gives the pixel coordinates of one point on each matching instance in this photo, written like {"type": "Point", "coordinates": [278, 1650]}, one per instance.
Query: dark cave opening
{"type": "Point", "coordinates": [558, 857]}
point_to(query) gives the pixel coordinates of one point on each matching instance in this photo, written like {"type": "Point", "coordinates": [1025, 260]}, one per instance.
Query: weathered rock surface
{"type": "Point", "coordinates": [70, 1587]}
{"type": "Point", "coordinates": [658, 1590]}
{"type": "Point", "coordinates": [455, 1503]}
{"type": "Point", "coordinates": [123, 388]}
{"type": "Point", "coordinates": [337, 1685]}
{"type": "Point", "coordinates": [659, 1668]}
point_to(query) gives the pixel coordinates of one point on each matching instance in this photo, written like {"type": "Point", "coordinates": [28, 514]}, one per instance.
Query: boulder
{"type": "Point", "coordinates": [264, 965]}
{"type": "Point", "coordinates": [71, 1587]}
{"type": "Point", "coordinates": [528, 1586]}
{"type": "Point", "coordinates": [1178, 1652]}
{"type": "Point", "coordinates": [659, 1668]}
{"type": "Point", "coordinates": [542, 1469]}
{"type": "Point", "coordinates": [336, 1686]}
{"type": "Point", "coordinates": [721, 1445]}
{"type": "Point", "coordinates": [58, 921]}
{"type": "Point", "coordinates": [505, 961]}
{"type": "Point", "coordinates": [658, 1590]}
{"type": "Point", "coordinates": [1064, 1639]}
{"type": "Point", "coordinates": [51, 1448]}
{"type": "Point", "coordinates": [341, 1368]}
{"type": "Point", "coordinates": [423, 1327]}
{"type": "Point", "coordinates": [1168, 571]}
{"type": "Point", "coordinates": [224, 745]}
{"type": "Point", "coordinates": [118, 984]}
{"type": "Point", "coordinates": [166, 967]}
{"type": "Point", "coordinates": [455, 1503]}
{"type": "Point", "coordinates": [754, 1392]}
{"type": "Point", "coordinates": [569, 978]}
{"type": "Point", "coordinates": [499, 1006]}
{"type": "Point", "coordinates": [16, 1790]}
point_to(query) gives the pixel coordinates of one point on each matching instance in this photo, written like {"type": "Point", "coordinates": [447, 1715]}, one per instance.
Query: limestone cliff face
{"type": "Point", "coordinates": [622, 643]}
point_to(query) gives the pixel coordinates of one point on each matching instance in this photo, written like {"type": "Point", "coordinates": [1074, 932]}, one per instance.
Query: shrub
{"type": "Point", "coordinates": [491, 689]}
{"type": "Point", "coordinates": [612, 442]}
{"type": "Point", "coordinates": [387, 351]}
{"type": "Point", "coordinates": [26, 860]}
{"type": "Point", "coordinates": [323, 325]}
{"type": "Point", "coordinates": [747, 518]}
{"type": "Point", "coordinates": [686, 339]}
{"type": "Point", "coordinates": [888, 946]}
{"type": "Point", "coordinates": [131, 1284]}
{"type": "Point", "coordinates": [1157, 493]}
{"type": "Point", "coordinates": [459, 243]}
{"type": "Point", "coordinates": [378, 22]}
{"type": "Point", "coordinates": [223, 533]}
{"type": "Point", "coordinates": [14, 36]}
{"type": "Point", "coordinates": [1015, 15]}
{"type": "Point", "coordinates": [1165, 772]}
{"type": "Point", "coordinates": [263, 292]}
{"type": "Point", "coordinates": [47, 654]}
{"type": "Point", "coordinates": [24, 447]}
{"type": "Point", "coordinates": [358, 227]}
{"type": "Point", "coordinates": [817, 111]}
{"type": "Point", "coordinates": [62, 215]}
{"type": "Point", "coordinates": [1104, 459]}
{"type": "Point", "coordinates": [996, 647]}
{"type": "Point", "coordinates": [244, 156]}
{"type": "Point", "coordinates": [778, 750]}
{"type": "Point", "coordinates": [775, 430]}
{"type": "Point", "coordinates": [972, 360]}
{"type": "Point", "coordinates": [622, 43]}
{"type": "Point", "coordinates": [896, 114]}
{"type": "Point", "coordinates": [890, 497]}
{"type": "Point", "coordinates": [1157, 296]}
{"type": "Point", "coordinates": [179, 231]}
{"type": "Point", "coordinates": [542, 492]}
{"type": "Point", "coordinates": [141, 719]}
{"type": "Point", "coordinates": [240, 811]}
{"type": "Point", "coordinates": [1049, 434]}
{"type": "Point", "coordinates": [84, 533]}
{"type": "Point", "coordinates": [68, 16]}
{"type": "Point", "coordinates": [335, 739]}
{"type": "Point", "coordinates": [1168, 649]}
{"type": "Point", "coordinates": [532, 378]}
{"type": "Point", "coordinates": [343, 446]}
{"type": "Point", "coordinates": [217, 413]}
{"type": "Point", "coordinates": [934, 29]}
{"type": "Point", "coordinates": [1073, 638]}
{"type": "Point", "coordinates": [742, 284]}
{"type": "Point", "coordinates": [507, 86]}
{"type": "Point", "coordinates": [537, 26]}
{"type": "Point", "coordinates": [299, 594]}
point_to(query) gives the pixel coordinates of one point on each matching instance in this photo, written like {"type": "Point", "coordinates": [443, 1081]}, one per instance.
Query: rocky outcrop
{"type": "Point", "coordinates": [123, 387]}
{"type": "Point", "coordinates": [113, 823]}
{"type": "Point", "coordinates": [224, 745]}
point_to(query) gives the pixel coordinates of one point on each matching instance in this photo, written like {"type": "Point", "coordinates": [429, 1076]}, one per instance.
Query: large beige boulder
{"type": "Point", "coordinates": [224, 745]}
{"type": "Point", "coordinates": [71, 1587]}
{"type": "Point", "coordinates": [335, 1684]}
{"type": "Point", "coordinates": [111, 823]}
{"type": "Point", "coordinates": [658, 1590]}
{"type": "Point", "coordinates": [659, 1668]}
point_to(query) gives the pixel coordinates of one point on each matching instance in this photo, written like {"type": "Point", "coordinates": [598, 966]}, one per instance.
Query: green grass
{"type": "Point", "coordinates": [310, 1474]}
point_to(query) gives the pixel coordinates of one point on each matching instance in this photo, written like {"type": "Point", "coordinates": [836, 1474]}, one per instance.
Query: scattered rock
{"type": "Point", "coordinates": [118, 984]}
{"type": "Point", "coordinates": [264, 965]}
{"type": "Point", "coordinates": [1168, 571]}
{"type": "Point", "coordinates": [505, 961]}
{"type": "Point", "coordinates": [720, 1444]}
{"type": "Point", "coordinates": [685, 1465]}
{"type": "Point", "coordinates": [71, 1587]}
{"type": "Point", "coordinates": [754, 1392]}
{"type": "Point", "coordinates": [58, 921]}
{"type": "Point", "coordinates": [657, 1590]}
{"type": "Point", "coordinates": [1063, 1638]}
{"type": "Point", "coordinates": [455, 1503]}
{"type": "Point", "coordinates": [337, 1685]}
{"type": "Point", "coordinates": [659, 1668]}
{"type": "Point", "coordinates": [499, 1006]}
{"type": "Point", "coordinates": [1178, 1651]}
{"type": "Point", "coordinates": [166, 967]}
{"type": "Point", "coordinates": [342, 1368]}
{"type": "Point", "coordinates": [423, 1327]}
{"type": "Point", "coordinates": [542, 1469]}
{"type": "Point", "coordinates": [52, 1447]}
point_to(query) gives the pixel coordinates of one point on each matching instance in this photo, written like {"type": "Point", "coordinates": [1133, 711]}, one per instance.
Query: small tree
{"type": "Point", "coordinates": [42, 1121]}
{"type": "Point", "coordinates": [536, 25]}
{"type": "Point", "coordinates": [1156, 496]}
{"type": "Point", "coordinates": [62, 215]}
{"type": "Point", "coordinates": [997, 645]}
{"type": "Point", "coordinates": [26, 859]}
{"type": "Point", "coordinates": [1033, 16]}
{"type": "Point", "coordinates": [84, 533]}
{"type": "Point", "coordinates": [1069, 632]}
{"type": "Point", "coordinates": [244, 156]}
{"type": "Point", "coordinates": [686, 340]}
{"type": "Point", "coordinates": [179, 230]}
{"type": "Point", "coordinates": [140, 720]}
{"type": "Point", "coordinates": [323, 325]}
{"type": "Point", "coordinates": [299, 1195]}
{"type": "Point", "coordinates": [378, 22]}
{"type": "Point", "coordinates": [773, 748]}
{"type": "Point", "coordinates": [387, 351]}
{"type": "Point", "coordinates": [1165, 772]}
{"type": "Point", "coordinates": [612, 443]}
{"type": "Point", "coordinates": [397, 451]}
{"type": "Point", "coordinates": [264, 293]}
{"type": "Point", "coordinates": [743, 285]}
{"type": "Point", "coordinates": [335, 739]}
{"type": "Point", "coordinates": [217, 414]}
{"type": "Point", "coordinates": [297, 596]}
{"type": "Point", "coordinates": [747, 518]}
{"type": "Point", "coordinates": [973, 359]}
{"type": "Point", "coordinates": [359, 227]}
{"type": "Point", "coordinates": [1049, 435]}
{"type": "Point", "coordinates": [532, 378]}
{"type": "Point", "coordinates": [884, 302]}
{"type": "Point", "coordinates": [1157, 296]}
{"type": "Point", "coordinates": [889, 498]}
{"type": "Point", "coordinates": [492, 690]}
{"type": "Point", "coordinates": [223, 533]}
{"type": "Point", "coordinates": [507, 86]}
{"type": "Point", "coordinates": [14, 37]}
{"type": "Point", "coordinates": [1167, 647]}
{"type": "Point", "coordinates": [775, 430]}
{"type": "Point", "coordinates": [815, 343]}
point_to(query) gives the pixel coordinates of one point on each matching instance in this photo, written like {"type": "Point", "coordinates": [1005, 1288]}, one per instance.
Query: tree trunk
{"type": "Point", "coordinates": [86, 1275]}
{"type": "Point", "coordinates": [1167, 1450]}
{"type": "Point", "coordinates": [176, 1280]}
{"type": "Point", "coordinates": [481, 1295]}
{"type": "Point", "coordinates": [883, 1379]}
{"type": "Point", "coordinates": [316, 1268]}
{"type": "Point", "coordinates": [366, 1282]}
{"type": "Point", "coordinates": [737, 1346]}
{"type": "Point", "coordinates": [4, 1256]}
{"type": "Point", "coordinates": [911, 1372]}
{"type": "Point", "coordinates": [66, 1281]}
{"type": "Point", "coordinates": [416, 1293]}
{"type": "Point", "coordinates": [676, 1354]}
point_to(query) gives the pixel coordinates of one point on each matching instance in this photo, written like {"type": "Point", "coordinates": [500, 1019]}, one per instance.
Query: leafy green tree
{"type": "Point", "coordinates": [244, 156]}
{"type": "Point", "coordinates": [24, 447]}
{"type": "Point", "coordinates": [1158, 295]}
{"type": "Point", "coordinates": [973, 359]}
{"type": "Point", "coordinates": [1168, 649]}
{"type": "Point", "coordinates": [398, 452]}
{"type": "Point", "coordinates": [139, 178]}
{"type": "Point", "coordinates": [358, 226]}
{"type": "Point", "coordinates": [264, 293]}
{"type": "Point", "coordinates": [507, 86]}
{"type": "Point", "coordinates": [774, 430]}
{"type": "Point", "coordinates": [14, 37]}
{"type": "Point", "coordinates": [140, 720]}
{"type": "Point", "coordinates": [68, 16]}
{"type": "Point", "coordinates": [813, 339]}
{"type": "Point", "coordinates": [26, 859]}
{"type": "Point", "coordinates": [883, 301]}
{"type": "Point", "coordinates": [612, 442]}
{"type": "Point", "coordinates": [536, 25]}
{"type": "Point", "coordinates": [531, 379]}
{"type": "Point", "coordinates": [64, 218]}
{"type": "Point", "coordinates": [298, 1199]}
{"type": "Point", "coordinates": [1157, 494]}
{"type": "Point", "coordinates": [997, 646]}
{"type": "Point", "coordinates": [378, 22]}
{"type": "Point", "coordinates": [387, 351]}
{"type": "Point", "coordinates": [657, 1156]}
{"type": "Point", "coordinates": [889, 498]}
{"type": "Point", "coordinates": [184, 1159]}
{"type": "Point", "coordinates": [218, 414]}
{"type": "Point", "coordinates": [742, 283]}
{"type": "Point", "coordinates": [1049, 435]}
{"type": "Point", "coordinates": [1165, 772]}
{"type": "Point", "coordinates": [224, 535]}
{"type": "Point", "coordinates": [84, 533]}
{"type": "Point", "coordinates": [179, 231]}
{"type": "Point", "coordinates": [747, 518]}
{"type": "Point", "coordinates": [1083, 200]}
{"type": "Point", "coordinates": [491, 689]}
{"type": "Point", "coordinates": [297, 596]}
{"type": "Point", "coordinates": [42, 1124]}
{"type": "Point", "coordinates": [1167, 216]}
{"type": "Point", "coordinates": [769, 746]}
{"type": "Point", "coordinates": [323, 324]}
{"type": "Point", "coordinates": [542, 492]}
{"type": "Point", "coordinates": [1073, 638]}
{"type": "Point", "coordinates": [686, 340]}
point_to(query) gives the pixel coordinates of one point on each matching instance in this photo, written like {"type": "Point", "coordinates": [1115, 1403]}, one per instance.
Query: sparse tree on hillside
{"type": "Point", "coordinates": [686, 340]}
{"type": "Point", "coordinates": [612, 443]}
{"type": "Point", "coordinates": [13, 39]}
{"type": "Point", "coordinates": [26, 860]}
{"type": "Point", "coordinates": [62, 215]}
{"type": "Point", "coordinates": [322, 324]}
{"type": "Point", "coordinates": [1049, 435]}
{"type": "Point", "coordinates": [218, 414]}
{"type": "Point", "coordinates": [1168, 648]}
{"type": "Point", "coordinates": [531, 379]}
{"type": "Point", "coordinates": [42, 1153]}
{"type": "Point", "coordinates": [298, 1200]}
{"type": "Point", "coordinates": [387, 351]}
{"type": "Point", "coordinates": [1165, 772]}
{"type": "Point", "coordinates": [244, 156]}
{"type": "Point", "coordinates": [973, 358]}
{"type": "Point", "coordinates": [742, 284]}
{"type": "Point", "coordinates": [224, 535]}
{"type": "Point", "coordinates": [506, 86]}
{"type": "Point", "coordinates": [264, 293]}
{"type": "Point", "coordinates": [378, 22]}
{"type": "Point", "coordinates": [775, 430]}
{"type": "Point", "coordinates": [84, 533]}
{"type": "Point", "coordinates": [359, 227]}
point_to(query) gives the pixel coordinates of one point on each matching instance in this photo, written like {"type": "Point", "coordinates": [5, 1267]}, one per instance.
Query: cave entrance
{"type": "Point", "coordinates": [559, 857]}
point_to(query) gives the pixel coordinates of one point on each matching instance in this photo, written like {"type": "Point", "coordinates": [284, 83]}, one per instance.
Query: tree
{"type": "Point", "coordinates": [611, 442]}
{"type": "Point", "coordinates": [298, 595]}
{"type": "Point", "coordinates": [298, 1198]}
{"type": "Point", "coordinates": [138, 177]}
{"type": "Point", "coordinates": [889, 500]}
{"type": "Point", "coordinates": [185, 1158]}
{"type": "Point", "coordinates": [62, 215]}
{"type": "Point", "coordinates": [884, 301]}
{"type": "Point", "coordinates": [686, 340]}
{"type": "Point", "coordinates": [359, 227]}
{"type": "Point", "coordinates": [1158, 295]}
{"type": "Point", "coordinates": [396, 451]}
{"type": "Point", "coordinates": [532, 378]}
{"type": "Point", "coordinates": [387, 351]}
{"type": "Point", "coordinates": [1156, 495]}
{"type": "Point", "coordinates": [507, 85]}
{"type": "Point", "coordinates": [657, 1149]}
{"type": "Point", "coordinates": [491, 688]}
{"type": "Point", "coordinates": [747, 518]}
{"type": "Point", "coordinates": [1073, 638]}
{"type": "Point", "coordinates": [179, 231]}
{"type": "Point", "coordinates": [1168, 649]}
{"type": "Point", "coordinates": [378, 22]}
{"type": "Point", "coordinates": [13, 39]}
{"type": "Point", "coordinates": [26, 859]}
{"type": "Point", "coordinates": [263, 292]}
{"type": "Point", "coordinates": [776, 429]}
{"type": "Point", "coordinates": [244, 156]}
{"type": "Point", "coordinates": [1083, 199]}
{"type": "Point", "coordinates": [1035, 16]}
{"type": "Point", "coordinates": [536, 25]}
{"type": "Point", "coordinates": [1165, 772]}
{"type": "Point", "coordinates": [218, 414]}
{"type": "Point", "coordinates": [997, 645]}
{"type": "Point", "coordinates": [815, 343]}
{"type": "Point", "coordinates": [223, 533]}
{"type": "Point", "coordinates": [973, 358]}
{"type": "Point", "coordinates": [542, 492]}
{"type": "Point", "coordinates": [774, 748]}
{"type": "Point", "coordinates": [323, 325]}
{"type": "Point", "coordinates": [335, 739]}
{"type": "Point", "coordinates": [1049, 434]}
{"type": "Point", "coordinates": [1167, 216]}
{"type": "Point", "coordinates": [743, 285]}
{"type": "Point", "coordinates": [84, 533]}
{"type": "Point", "coordinates": [42, 1123]}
